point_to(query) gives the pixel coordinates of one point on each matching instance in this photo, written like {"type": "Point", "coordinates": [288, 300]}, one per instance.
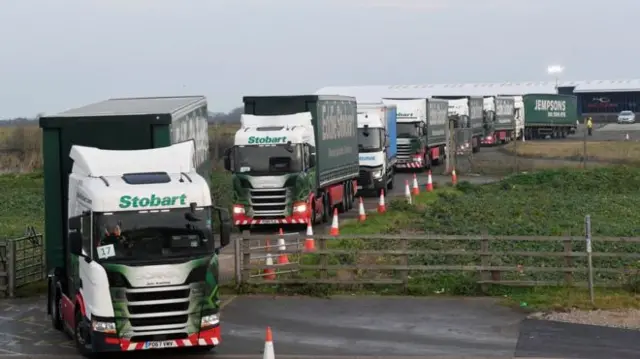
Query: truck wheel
{"type": "Point", "coordinates": [342, 207]}
{"type": "Point", "coordinates": [326, 210]}
{"type": "Point", "coordinates": [390, 184]}
{"type": "Point", "coordinates": [81, 335]}
{"type": "Point", "coordinates": [427, 162]}
{"type": "Point", "coordinates": [350, 195]}
{"type": "Point", "coordinates": [54, 307]}
{"type": "Point", "coordinates": [314, 214]}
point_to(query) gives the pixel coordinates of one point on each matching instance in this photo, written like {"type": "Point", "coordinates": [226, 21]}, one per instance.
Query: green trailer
{"type": "Point", "coordinates": [323, 178]}
{"type": "Point", "coordinates": [549, 115]}
{"type": "Point", "coordinates": [115, 124]}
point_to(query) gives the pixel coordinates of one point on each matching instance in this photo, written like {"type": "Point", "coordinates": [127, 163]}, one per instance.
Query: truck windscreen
{"type": "Point", "coordinates": [152, 235]}
{"type": "Point", "coordinates": [408, 129]}
{"type": "Point", "coordinates": [272, 160]}
{"type": "Point", "coordinates": [370, 140]}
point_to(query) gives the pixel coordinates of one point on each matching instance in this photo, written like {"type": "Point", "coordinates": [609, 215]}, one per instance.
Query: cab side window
{"type": "Point", "coordinates": [86, 233]}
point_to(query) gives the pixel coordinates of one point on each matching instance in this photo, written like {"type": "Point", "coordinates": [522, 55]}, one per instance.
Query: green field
{"type": "Point", "coordinates": [21, 204]}
{"type": "Point", "coordinates": [549, 203]}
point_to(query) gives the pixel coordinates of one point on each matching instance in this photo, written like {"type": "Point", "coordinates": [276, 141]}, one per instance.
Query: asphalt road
{"type": "Point", "coordinates": [607, 132]}
{"type": "Point", "coordinates": [345, 327]}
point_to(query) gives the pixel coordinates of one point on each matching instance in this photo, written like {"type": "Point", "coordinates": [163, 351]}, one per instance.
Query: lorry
{"type": "Point", "coordinates": [294, 159]}
{"type": "Point", "coordinates": [466, 112]}
{"type": "Point", "coordinates": [499, 116]}
{"type": "Point", "coordinates": [377, 145]}
{"type": "Point", "coordinates": [549, 115]}
{"type": "Point", "coordinates": [130, 249]}
{"type": "Point", "coordinates": [422, 131]}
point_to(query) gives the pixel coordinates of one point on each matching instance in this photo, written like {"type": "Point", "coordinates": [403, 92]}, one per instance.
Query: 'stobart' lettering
{"type": "Point", "coordinates": [152, 201]}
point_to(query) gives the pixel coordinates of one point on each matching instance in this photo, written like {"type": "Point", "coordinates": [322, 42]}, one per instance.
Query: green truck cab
{"type": "Point", "coordinates": [294, 159]}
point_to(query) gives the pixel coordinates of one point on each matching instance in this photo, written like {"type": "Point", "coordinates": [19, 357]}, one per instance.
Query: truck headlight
{"type": "Point", "coordinates": [209, 320]}
{"type": "Point", "coordinates": [103, 327]}
{"type": "Point", "coordinates": [300, 207]}
{"type": "Point", "coordinates": [238, 209]}
{"type": "Point", "coordinates": [377, 174]}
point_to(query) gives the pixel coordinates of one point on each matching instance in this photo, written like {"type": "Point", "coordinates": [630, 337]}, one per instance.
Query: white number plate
{"type": "Point", "coordinates": [269, 221]}
{"type": "Point", "coordinates": [161, 344]}
{"type": "Point", "coordinates": [359, 187]}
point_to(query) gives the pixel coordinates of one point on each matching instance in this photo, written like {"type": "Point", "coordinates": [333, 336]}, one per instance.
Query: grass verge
{"type": "Point", "coordinates": [627, 152]}
{"type": "Point", "coordinates": [549, 203]}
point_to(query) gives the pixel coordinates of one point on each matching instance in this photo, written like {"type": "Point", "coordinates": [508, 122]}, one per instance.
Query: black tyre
{"type": "Point", "coordinates": [81, 335]}
{"type": "Point", "coordinates": [390, 184]}
{"type": "Point", "coordinates": [54, 307]}
{"type": "Point", "coordinates": [350, 193]}
{"type": "Point", "coordinates": [326, 213]}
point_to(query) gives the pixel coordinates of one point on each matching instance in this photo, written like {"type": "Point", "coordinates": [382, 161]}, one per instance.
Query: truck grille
{"type": "Point", "coordinates": [404, 151]}
{"type": "Point", "coordinates": [158, 309]}
{"type": "Point", "coordinates": [365, 178]}
{"type": "Point", "coordinates": [269, 203]}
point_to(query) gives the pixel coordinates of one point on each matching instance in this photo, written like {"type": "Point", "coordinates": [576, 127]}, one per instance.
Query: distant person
{"type": "Point", "coordinates": [589, 126]}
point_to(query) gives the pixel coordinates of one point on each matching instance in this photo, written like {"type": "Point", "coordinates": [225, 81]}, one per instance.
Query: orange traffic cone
{"type": "Point", "coordinates": [268, 351]}
{"type": "Point", "coordinates": [407, 192]}
{"type": "Point", "coordinates": [429, 182]}
{"type": "Point", "coordinates": [362, 214]}
{"type": "Point", "coordinates": [269, 272]}
{"type": "Point", "coordinates": [283, 258]}
{"type": "Point", "coordinates": [335, 231]}
{"type": "Point", "coordinates": [309, 243]}
{"type": "Point", "coordinates": [381, 206]}
{"type": "Point", "coordinates": [454, 177]}
{"type": "Point", "coordinates": [415, 189]}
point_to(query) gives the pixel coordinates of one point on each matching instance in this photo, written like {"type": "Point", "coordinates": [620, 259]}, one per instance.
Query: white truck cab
{"type": "Point", "coordinates": [142, 269]}
{"type": "Point", "coordinates": [518, 107]}
{"type": "Point", "coordinates": [377, 152]}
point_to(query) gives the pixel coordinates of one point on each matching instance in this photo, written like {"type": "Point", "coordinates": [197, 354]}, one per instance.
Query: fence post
{"type": "Point", "coordinates": [237, 259]}
{"type": "Point", "coordinates": [246, 257]}
{"type": "Point", "coordinates": [324, 259]}
{"type": "Point", "coordinates": [568, 259]}
{"type": "Point", "coordinates": [404, 274]}
{"type": "Point", "coordinates": [485, 261]}
{"type": "Point", "coordinates": [11, 267]}
{"type": "Point", "coordinates": [587, 231]}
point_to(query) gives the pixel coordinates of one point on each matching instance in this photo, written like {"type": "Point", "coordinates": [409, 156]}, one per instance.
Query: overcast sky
{"type": "Point", "coordinates": [61, 54]}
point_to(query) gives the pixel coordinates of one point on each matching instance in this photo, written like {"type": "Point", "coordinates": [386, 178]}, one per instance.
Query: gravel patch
{"type": "Point", "coordinates": [620, 318]}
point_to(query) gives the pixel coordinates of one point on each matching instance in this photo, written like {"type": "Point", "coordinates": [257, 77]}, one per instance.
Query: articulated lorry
{"type": "Point", "coordinates": [549, 115]}
{"type": "Point", "coordinates": [422, 127]}
{"type": "Point", "coordinates": [129, 225]}
{"type": "Point", "coordinates": [467, 113]}
{"type": "Point", "coordinates": [377, 145]}
{"type": "Point", "coordinates": [499, 120]}
{"type": "Point", "coordinates": [294, 159]}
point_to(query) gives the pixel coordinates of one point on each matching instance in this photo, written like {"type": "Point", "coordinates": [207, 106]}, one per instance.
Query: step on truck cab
{"type": "Point", "coordinates": [294, 159]}
{"type": "Point", "coordinates": [130, 248]}
{"type": "Point", "coordinates": [377, 145]}
{"type": "Point", "coordinates": [422, 131]}
{"type": "Point", "coordinates": [499, 120]}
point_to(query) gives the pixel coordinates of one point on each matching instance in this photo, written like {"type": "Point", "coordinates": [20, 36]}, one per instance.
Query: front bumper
{"type": "Point", "coordinates": [105, 343]}
{"type": "Point", "coordinates": [367, 181]}
{"type": "Point", "coordinates": [244, 220]}
{"type": "Point", "coordinates": [415, 162]}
